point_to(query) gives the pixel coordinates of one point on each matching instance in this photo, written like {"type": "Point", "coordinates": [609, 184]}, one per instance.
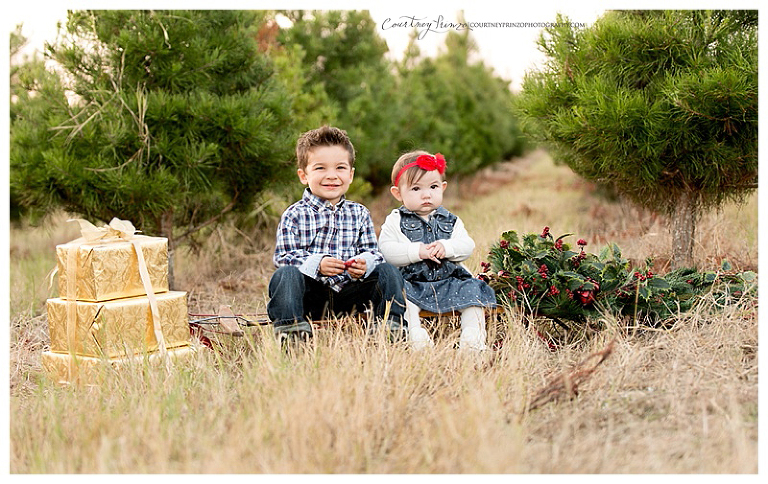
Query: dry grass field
{"type": "Point", "coordinates": [680, 400]}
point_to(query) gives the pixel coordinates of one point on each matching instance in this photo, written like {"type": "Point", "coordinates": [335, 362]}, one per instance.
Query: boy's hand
{"type": "Point", "coordinates": [331, 266]}
{"type": "Point", "coordinates": [356, 267]}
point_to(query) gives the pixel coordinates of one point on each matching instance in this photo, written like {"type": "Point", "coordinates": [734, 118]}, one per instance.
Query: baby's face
{"type": "Point", "coordinates": [423, 196]}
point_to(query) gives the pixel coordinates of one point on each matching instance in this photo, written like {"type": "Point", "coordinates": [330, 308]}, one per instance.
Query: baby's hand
{"type": "Point", "coordinates": [427, 251]}
{"type": "Point", "coordinates": [438, 249]}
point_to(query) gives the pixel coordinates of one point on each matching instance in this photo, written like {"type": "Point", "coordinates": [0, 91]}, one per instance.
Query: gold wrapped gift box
{"type": "Point", "coordinates": [110, 270]}
{"type": "Point", "coordinates": [120, 327]}
{"type": "Point", "coordinates": [60, 368]}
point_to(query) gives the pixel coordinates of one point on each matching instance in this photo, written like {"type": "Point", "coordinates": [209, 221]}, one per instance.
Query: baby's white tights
{"type": "Point", "coordinates": [417, 335]}
{"type": "Point", "coordinates": [472, 329]}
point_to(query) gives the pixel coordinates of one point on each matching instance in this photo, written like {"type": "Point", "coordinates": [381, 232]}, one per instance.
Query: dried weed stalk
{"type": "Point", "coordinates": [566, 385]}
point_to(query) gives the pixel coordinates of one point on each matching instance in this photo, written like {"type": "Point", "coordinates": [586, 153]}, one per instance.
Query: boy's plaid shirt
{"type": "Point", "coordinates": [312, 228]}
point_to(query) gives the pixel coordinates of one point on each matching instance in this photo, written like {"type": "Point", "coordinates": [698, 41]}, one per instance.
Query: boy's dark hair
{"type": "Point", "coordinates": [322, 136]}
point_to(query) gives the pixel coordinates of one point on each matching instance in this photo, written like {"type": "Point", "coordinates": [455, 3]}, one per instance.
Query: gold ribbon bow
{"type": "Point", "coordinates": [117, 230]}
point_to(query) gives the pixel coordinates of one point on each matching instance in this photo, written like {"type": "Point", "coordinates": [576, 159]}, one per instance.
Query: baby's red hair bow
{"type": "Point", "coordinates": [425, 162]}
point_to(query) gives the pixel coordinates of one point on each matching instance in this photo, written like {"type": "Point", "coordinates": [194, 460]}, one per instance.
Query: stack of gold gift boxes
{"type": "Point", "coordinates": [108, 317]}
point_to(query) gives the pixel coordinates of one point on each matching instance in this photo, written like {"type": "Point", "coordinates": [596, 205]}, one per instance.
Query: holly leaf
{"type": "Point", "coordinates": [511, 237]}
{"type": "Point", "coordinates": [574, 284]}
{"type": "Point", "coordinates": [572, 275]}
{"type": "Point", "coordinates": [529, 266]}
{"type": "Point", "coordinates": [658, 283]}
{"type": "Point", "coordinates": [748, 276]}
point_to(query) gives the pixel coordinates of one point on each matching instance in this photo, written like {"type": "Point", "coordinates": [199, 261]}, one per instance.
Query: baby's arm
{"type": "Point", "coordinates": [398, 250]}
{"type": "Point", "coordinates": [460, 246]}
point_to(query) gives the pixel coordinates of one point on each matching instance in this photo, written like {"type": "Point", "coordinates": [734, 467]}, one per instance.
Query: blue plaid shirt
{"type": "Point", "coordinates": [312, 228]}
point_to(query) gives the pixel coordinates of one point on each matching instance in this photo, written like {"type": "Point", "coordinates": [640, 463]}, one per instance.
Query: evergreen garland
{"type": "Point", "coordinates": [543, 276]}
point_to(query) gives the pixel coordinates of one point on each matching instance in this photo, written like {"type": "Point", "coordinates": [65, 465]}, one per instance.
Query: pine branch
{"type": "Point", "coordinates": [211, 220]}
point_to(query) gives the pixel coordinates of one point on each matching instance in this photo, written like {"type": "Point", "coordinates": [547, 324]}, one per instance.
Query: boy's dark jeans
{"type": "Point", "coordinates": [295, 297]}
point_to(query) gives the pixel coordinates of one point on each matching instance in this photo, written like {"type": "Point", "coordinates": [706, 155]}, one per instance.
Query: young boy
{"type": "Point", "coordinates": [326, 252]}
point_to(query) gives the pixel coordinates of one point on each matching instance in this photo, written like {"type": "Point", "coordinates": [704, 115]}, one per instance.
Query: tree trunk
{"type": "Point", "coordinates": [684, 219]}
{"type": "Point", "coordinates": [166, 230]}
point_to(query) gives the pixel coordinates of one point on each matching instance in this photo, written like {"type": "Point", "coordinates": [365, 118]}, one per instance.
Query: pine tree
{"type": "Point", "coordinates": [452, 104]}
{"type": "Point", "coordinates": [458, 106]}
{"type": "Point", "coordinates": [659, 105]}
{"type": "Point", "coordinates": [344, 57]}
{"type": "Point", "coordinates": [174, 120]}
{"type": "Point", "coordinates": [33, 89]}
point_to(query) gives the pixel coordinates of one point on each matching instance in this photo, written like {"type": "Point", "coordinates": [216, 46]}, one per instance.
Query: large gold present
{"type": "Point", "coordinates": [110, 269]}
{"type": "Point", "coordinates": [119, 327]}
{"type": "Point", "coordinates": [65, 368]}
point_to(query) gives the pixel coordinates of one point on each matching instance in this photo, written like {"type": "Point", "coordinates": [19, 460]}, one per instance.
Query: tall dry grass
{"type": "Point", "coordinates": [682, 400]}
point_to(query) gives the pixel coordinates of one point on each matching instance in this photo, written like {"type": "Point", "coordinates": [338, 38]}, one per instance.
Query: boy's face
{"type": "Point", "coordinates": [328, 173]}
{"type": "Point", "coordinates": [423, 196]}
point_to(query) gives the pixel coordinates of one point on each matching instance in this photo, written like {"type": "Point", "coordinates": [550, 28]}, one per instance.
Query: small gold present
{"type": "Point", "coordinates": [119, 327]}
{"type": "Point", "coordinates": [65, 368]}
{"type": "Point", "coordinates": [109, 269]}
